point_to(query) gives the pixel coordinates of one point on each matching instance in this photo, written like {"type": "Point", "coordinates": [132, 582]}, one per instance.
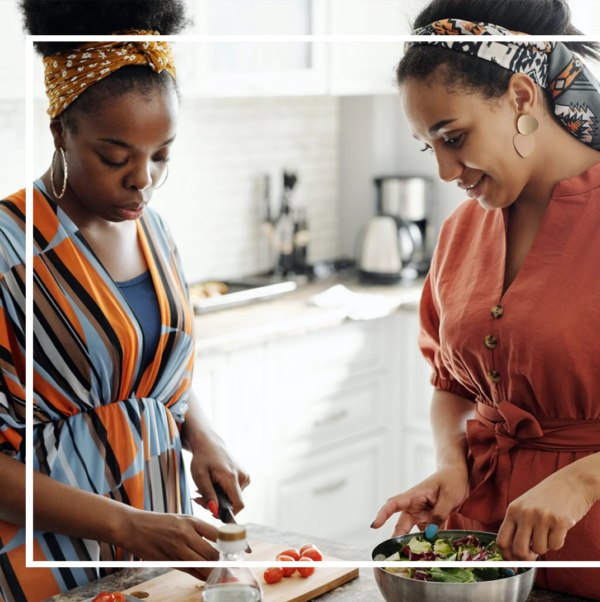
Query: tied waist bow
{"type": "Point", "coordinates": [491, 436]}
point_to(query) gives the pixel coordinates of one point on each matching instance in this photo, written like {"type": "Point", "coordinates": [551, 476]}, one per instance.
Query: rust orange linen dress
{"type": "Point", "coordinates": [543, 412]}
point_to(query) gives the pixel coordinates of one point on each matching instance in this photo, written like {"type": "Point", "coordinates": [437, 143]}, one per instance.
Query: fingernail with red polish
{"type": "Point", "coordinates": [212, 506]}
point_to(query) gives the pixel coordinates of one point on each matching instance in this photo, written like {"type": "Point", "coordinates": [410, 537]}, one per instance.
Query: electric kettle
{"type": "Point", "coordinates": [384, 247]}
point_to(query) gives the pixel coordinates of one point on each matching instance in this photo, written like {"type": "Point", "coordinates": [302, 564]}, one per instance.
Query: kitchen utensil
{"type": "Point", "coordinates": [226, 510]}
{"type": "Point", "coordinates": [394, 587]}
{"type": "Point", "coordinates": [176, 586]}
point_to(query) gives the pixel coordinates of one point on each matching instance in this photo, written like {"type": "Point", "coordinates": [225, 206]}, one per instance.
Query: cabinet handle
{"type": "Point", "coordinates": [331, 418]}
{"type": "Point", "coordinates": [330, 488]}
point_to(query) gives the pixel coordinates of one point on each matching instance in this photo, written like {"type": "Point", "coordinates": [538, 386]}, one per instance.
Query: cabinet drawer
{"type": "Point", "coordinates": [417, 390]}
{"type": "Point", "coordinates": [344, 413]}
{"type": "Point", "coordinates": [419, 458]}
{"type": "Point", "coordinates": [355, 346]}
{"type": "Point", "coordinates": [338, 497]}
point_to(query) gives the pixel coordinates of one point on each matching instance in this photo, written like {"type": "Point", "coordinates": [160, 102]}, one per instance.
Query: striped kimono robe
{"type": "Point", "coordinates": [100, 423]}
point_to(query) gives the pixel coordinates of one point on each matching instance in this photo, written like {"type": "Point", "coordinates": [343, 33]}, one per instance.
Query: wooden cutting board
{"type": "Point", "coordinates": [176, 586]}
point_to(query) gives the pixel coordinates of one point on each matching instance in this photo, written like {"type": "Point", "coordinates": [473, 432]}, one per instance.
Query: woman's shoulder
{"type": "Point", "coordinates": [14, 203]}
{"type": "Point", "coordinates": [12, 232]}
{"type": "Point", "coordinates": [12, 214]}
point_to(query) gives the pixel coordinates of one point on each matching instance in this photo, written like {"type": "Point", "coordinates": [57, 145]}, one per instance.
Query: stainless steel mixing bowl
{"type": "Point", "coordinates": [395, 588]}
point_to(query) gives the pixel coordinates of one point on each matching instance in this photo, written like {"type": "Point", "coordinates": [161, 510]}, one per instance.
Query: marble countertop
{"type": "Point", "coordinates": [290, 314]}
{"type": "Point", "coordinates": [363, 589]}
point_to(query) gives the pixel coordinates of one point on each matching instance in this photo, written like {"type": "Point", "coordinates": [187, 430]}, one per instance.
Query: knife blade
{"type": "Point", "coordinates": [226, 510]}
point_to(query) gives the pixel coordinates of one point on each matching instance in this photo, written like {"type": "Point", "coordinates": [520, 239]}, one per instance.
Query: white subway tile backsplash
{"type": "Point", "coordinates": [223, 145]}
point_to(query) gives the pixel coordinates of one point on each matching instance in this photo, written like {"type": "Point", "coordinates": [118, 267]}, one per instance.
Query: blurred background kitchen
{"type": "Point", "coordinates": [274, 182]}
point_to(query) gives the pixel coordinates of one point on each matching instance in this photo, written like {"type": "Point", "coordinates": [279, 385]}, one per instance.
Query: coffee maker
{"type": "Point", "coordinates": [409, 199]}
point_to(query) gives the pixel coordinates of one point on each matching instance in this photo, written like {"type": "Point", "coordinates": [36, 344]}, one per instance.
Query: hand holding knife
{"type": "Point", "coordinates": [225, 512]}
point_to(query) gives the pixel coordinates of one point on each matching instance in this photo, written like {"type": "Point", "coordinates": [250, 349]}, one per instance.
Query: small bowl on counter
{"type": "Point", "coordinates": [395, 587]}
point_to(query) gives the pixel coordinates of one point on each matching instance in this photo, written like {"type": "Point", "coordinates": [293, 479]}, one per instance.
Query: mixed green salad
{"type": "Point", "coordinates": [449, 549]}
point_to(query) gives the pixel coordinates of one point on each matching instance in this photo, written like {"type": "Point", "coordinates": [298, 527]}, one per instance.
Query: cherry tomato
{"type": "Point", "coordinates": [273, 574]}
{"type": "Point", "coordinates": [118, 597]}
{"type": "Point", "coordinates": [313, 554]}
{"type": "Point", "coordinates": [288, 571]}
{"type": "Point", "coordinates": [306, 571]}
{"type": "Point", "coordinates": [291, 552]}
{"type": "Point", "coordinates": [104, 597]}
{"type": "Point", "coordinates": [305, 547]}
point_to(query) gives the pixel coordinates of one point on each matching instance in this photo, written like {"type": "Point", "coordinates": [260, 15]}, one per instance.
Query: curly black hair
{"type": "Point", "coordinates": [103, 17]}
{"type": "Point", "coordinates": [466, 72]}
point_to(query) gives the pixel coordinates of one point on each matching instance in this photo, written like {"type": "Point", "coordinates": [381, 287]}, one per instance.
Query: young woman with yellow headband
{"type": "Point", "coordinates": [113, 326]}
{"type": "Point", "coordinates": [508, 318]}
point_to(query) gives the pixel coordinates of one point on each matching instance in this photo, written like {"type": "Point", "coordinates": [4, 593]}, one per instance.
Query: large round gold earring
{"type": "Point", "coordinates": [524, 142]}
{"type": "Point", "coordinates": [62, 192]}
{"type": "Point", "coordinates": [166, 177]}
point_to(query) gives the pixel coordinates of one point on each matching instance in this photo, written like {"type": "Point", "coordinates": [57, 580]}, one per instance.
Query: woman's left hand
{"type": "Point", "coordinates": [538, 521]}
{"type": "Point", "coordinates": [211, 463]}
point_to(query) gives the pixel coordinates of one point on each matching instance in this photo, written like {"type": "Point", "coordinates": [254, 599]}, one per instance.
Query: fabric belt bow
{"type": "Point", "coordinates": [491, 436]}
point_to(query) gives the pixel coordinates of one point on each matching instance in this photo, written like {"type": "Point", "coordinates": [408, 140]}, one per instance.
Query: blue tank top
{"type": "Point", "coordinates": [141, 295]}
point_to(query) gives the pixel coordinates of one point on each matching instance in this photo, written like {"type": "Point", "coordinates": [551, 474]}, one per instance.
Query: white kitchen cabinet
{"type": "Point", "coordinates": [324, 422]}
{"type": "Point", "coordinates": [333, 494]}
{"type": "Point", "coordinates": [12, 74]}
{"type": "Point", "coordinates": [416, 392]}
{"type": "Point", "coordinates": [259, 68]}
{"type": "Point", "coordinates": [419, 458]}
{"type": "Point", "coordinates": [358, 68]}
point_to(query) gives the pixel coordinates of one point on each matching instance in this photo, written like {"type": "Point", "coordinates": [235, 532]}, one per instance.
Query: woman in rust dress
{"type": "Point", "coordinates": [508, 318]}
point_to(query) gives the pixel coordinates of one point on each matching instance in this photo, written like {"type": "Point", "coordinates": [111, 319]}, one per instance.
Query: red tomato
{"type": "Point", "coordinates": [305, 547]}
{"type": "Point", "coordinates": [273, 574]}
{"type": "Point", "coordinates": [288, 571]}
{"type": "Point", "coordinates": [306, 571]}
{"type": "Point", "coordinates": [103, 597]}
{"type": "Point", "coordinates": [313, 554]}
{"type": "Point", "coordinates": [118, 597]}
{"type": "Point", "coordinates": [291, 552]}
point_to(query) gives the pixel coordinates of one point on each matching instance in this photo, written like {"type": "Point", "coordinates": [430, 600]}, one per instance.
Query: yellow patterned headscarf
{"type": "Point", "coordinates": [70, 73]}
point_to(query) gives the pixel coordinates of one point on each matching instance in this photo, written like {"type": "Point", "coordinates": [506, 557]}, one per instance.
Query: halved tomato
{"type": "Point", "coordinates": [104, 597]}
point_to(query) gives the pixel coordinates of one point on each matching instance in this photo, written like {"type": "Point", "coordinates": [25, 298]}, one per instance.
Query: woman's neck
{"type": "Point", "coordinates": [554, 166]}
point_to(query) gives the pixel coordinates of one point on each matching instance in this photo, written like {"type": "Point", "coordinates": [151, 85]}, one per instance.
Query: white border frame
{"type": "Point", "coordinates": [29, 562]}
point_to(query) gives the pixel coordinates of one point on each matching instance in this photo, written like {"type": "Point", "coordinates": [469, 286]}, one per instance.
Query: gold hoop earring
{"type": "Point", "coordinates": [166, 177]}
{"type": "Point", "coordinates": [62, 192]}
{"type": "Point", "coordinates": [524, 142]}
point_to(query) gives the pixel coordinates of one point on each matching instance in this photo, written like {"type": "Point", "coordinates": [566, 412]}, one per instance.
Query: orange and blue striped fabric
{"type": "Point", "coordinates": [101, 423]}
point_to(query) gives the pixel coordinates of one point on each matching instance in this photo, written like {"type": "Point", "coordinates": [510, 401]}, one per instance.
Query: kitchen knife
{"type": "Point", "coordinates": [226, 510]}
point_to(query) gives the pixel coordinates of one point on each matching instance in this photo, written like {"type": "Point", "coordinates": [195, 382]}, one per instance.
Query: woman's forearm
{"type": "Point", "coordinates": [449, 414]}
{"type": "Point", "coordinates": [59, 508]}
{"type": "Point", "coordinates": [587, 472]}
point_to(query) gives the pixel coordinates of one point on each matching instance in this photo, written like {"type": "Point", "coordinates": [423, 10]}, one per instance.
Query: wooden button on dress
{"type": "Point", "coordinates": [493, 376]}
{"type": "Point", "coordinates": [497, 311]}
{"type": "Point", "coordinates": [491, 341]}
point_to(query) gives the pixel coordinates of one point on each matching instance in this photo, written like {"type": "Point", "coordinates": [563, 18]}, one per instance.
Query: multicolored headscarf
{"type": "Point", "coordinates": [70, 73]}
{"type": "Point", "coordinates": [551, 65]}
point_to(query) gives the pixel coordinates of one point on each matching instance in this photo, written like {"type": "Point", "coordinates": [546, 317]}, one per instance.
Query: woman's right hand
{"type": "Point", "coordinates": [429, 502]}
{"type": "Point", "coordinates": [172, 537]}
